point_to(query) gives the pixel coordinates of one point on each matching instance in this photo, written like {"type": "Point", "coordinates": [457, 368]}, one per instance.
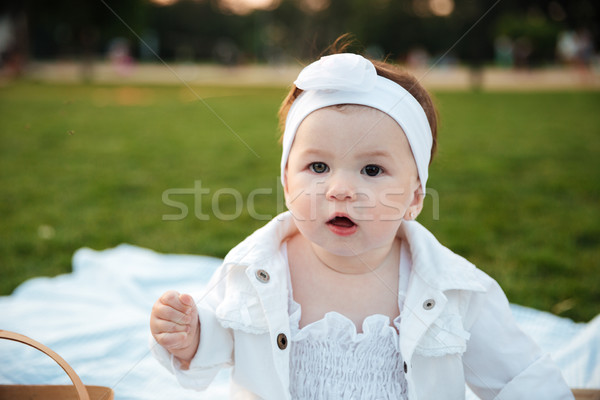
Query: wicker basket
{"type": "Point", "coordinates": [586, 394]}
{"type": "Point", "coordinates": [52, 392]}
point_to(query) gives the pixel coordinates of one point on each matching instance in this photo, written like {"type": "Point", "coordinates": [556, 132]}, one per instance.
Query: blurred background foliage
{"type": "Point", "coordinates": [240, 31]}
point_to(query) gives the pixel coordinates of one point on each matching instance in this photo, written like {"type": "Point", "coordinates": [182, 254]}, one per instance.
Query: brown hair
{"type": "Point", "coordinates": [384, 69]}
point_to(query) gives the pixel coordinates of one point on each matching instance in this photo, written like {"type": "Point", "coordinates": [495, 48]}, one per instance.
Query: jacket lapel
{"type": "Point", "coordinates": [251, 303]}
{"type": "Point", "coordinates": [256, 297]}
{"type": "Point", "coordinates": [415, 319]}
{"type": "Point", "coordinates": [435, 269]}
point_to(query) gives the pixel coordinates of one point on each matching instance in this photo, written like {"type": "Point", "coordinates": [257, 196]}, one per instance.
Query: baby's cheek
{"type": "Point", "coordinates": [298, 202]}
{"type": "Point", "coordinates": [392, 206]}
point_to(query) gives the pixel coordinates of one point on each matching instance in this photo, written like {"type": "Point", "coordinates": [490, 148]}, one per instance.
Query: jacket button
{"type": "Point", "coordinates": [429, 304]}
{"type": "Point", "coordinates": [262, 275]}
{"type": "Point", "coordinates": [282, 341]}
{"type": "Point", "coordinates": [405, 367]}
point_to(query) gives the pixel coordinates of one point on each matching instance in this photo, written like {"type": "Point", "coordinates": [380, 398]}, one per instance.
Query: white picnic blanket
{"type": "Point", "coordinates": [97, 319]}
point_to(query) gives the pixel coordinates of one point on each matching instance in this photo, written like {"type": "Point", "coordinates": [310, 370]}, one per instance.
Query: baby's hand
{"type": "Point", "coordinates": [175, 326]}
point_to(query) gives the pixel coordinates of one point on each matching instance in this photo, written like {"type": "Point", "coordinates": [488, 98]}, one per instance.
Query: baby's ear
{"type": "Point", "coordinates": [418, 195]}
{"type": "Point", "coordinates": [285, 185]}
{"type": "Point", "coordinates": [286, 193]}
{"type": "Point", "coordinates": [416, 205]}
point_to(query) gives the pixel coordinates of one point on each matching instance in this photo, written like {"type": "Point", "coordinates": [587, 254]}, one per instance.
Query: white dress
{"type": "Point", "coordinates": [329, 359]}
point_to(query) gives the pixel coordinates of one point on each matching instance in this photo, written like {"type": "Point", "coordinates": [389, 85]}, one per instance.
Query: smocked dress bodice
{"type": "Point", "coordinates": [329, 359]}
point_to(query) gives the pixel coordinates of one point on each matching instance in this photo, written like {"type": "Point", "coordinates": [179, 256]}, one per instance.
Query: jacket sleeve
{"type": "Point", "coordinates": [501, 361]}
{"type": "Point", "coordinates": [215, 349]}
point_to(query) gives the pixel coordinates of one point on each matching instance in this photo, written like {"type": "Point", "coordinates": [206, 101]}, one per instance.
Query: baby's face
{"type": "Point", "coordinates": [350, 179]}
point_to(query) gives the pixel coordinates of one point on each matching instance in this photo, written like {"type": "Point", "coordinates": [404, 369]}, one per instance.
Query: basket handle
{"type": "Point", "coordinates": [79, 386]}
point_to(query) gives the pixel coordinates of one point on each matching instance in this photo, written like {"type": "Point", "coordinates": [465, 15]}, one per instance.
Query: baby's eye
{"type": "Point", "coordinates": [318, 167]}
{"type": "Point", "coordinates": [372, 170]}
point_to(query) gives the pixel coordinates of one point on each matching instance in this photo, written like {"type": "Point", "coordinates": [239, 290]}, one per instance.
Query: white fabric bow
{"type": "Point", "coordinates": [338, 72]}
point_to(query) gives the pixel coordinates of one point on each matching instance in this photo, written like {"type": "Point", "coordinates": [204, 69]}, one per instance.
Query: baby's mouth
{"type": "Point", "coordinates": [341, 221]}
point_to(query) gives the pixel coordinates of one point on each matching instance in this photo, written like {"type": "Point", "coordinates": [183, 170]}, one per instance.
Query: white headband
{"type": "Point", "coordinates": [351, 79]}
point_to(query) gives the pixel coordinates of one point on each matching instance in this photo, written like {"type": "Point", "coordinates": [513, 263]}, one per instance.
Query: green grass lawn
{"type": "Point", "coordinates": [515, 185]}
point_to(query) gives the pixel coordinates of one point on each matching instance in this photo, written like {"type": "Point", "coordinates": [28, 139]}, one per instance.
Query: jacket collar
{"type": "Point", "coordinates": [435, 264]}
{"type": "Point", "coordinates": [255, 280]}
{"type": "Point", "coordinates": [264, 243]}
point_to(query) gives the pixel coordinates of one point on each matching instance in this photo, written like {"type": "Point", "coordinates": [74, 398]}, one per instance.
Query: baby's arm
{"type": "Point", "coordinates": [175, 325]}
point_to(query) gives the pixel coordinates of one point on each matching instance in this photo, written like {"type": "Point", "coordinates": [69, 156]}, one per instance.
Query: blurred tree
{"type": "Point", "coordinates": [533, 26]}
{"type": "Point", "coordinates": [301, 29]}
{"type": "Point", "coordinates": [70, 28]}
{"type": "Point", "coordinates": [532, 35]}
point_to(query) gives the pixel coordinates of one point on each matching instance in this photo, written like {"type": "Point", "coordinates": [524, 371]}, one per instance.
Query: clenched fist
{"type": "Point", "coordinates": [175, 325]}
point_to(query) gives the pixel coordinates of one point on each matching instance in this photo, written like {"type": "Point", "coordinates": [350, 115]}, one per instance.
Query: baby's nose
{"type": "Point", "coordinates": [341, 188]}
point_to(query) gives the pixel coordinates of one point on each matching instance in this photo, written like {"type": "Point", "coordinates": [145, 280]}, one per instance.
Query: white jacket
{"type": "Point", "coordinates": [456, 327]}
